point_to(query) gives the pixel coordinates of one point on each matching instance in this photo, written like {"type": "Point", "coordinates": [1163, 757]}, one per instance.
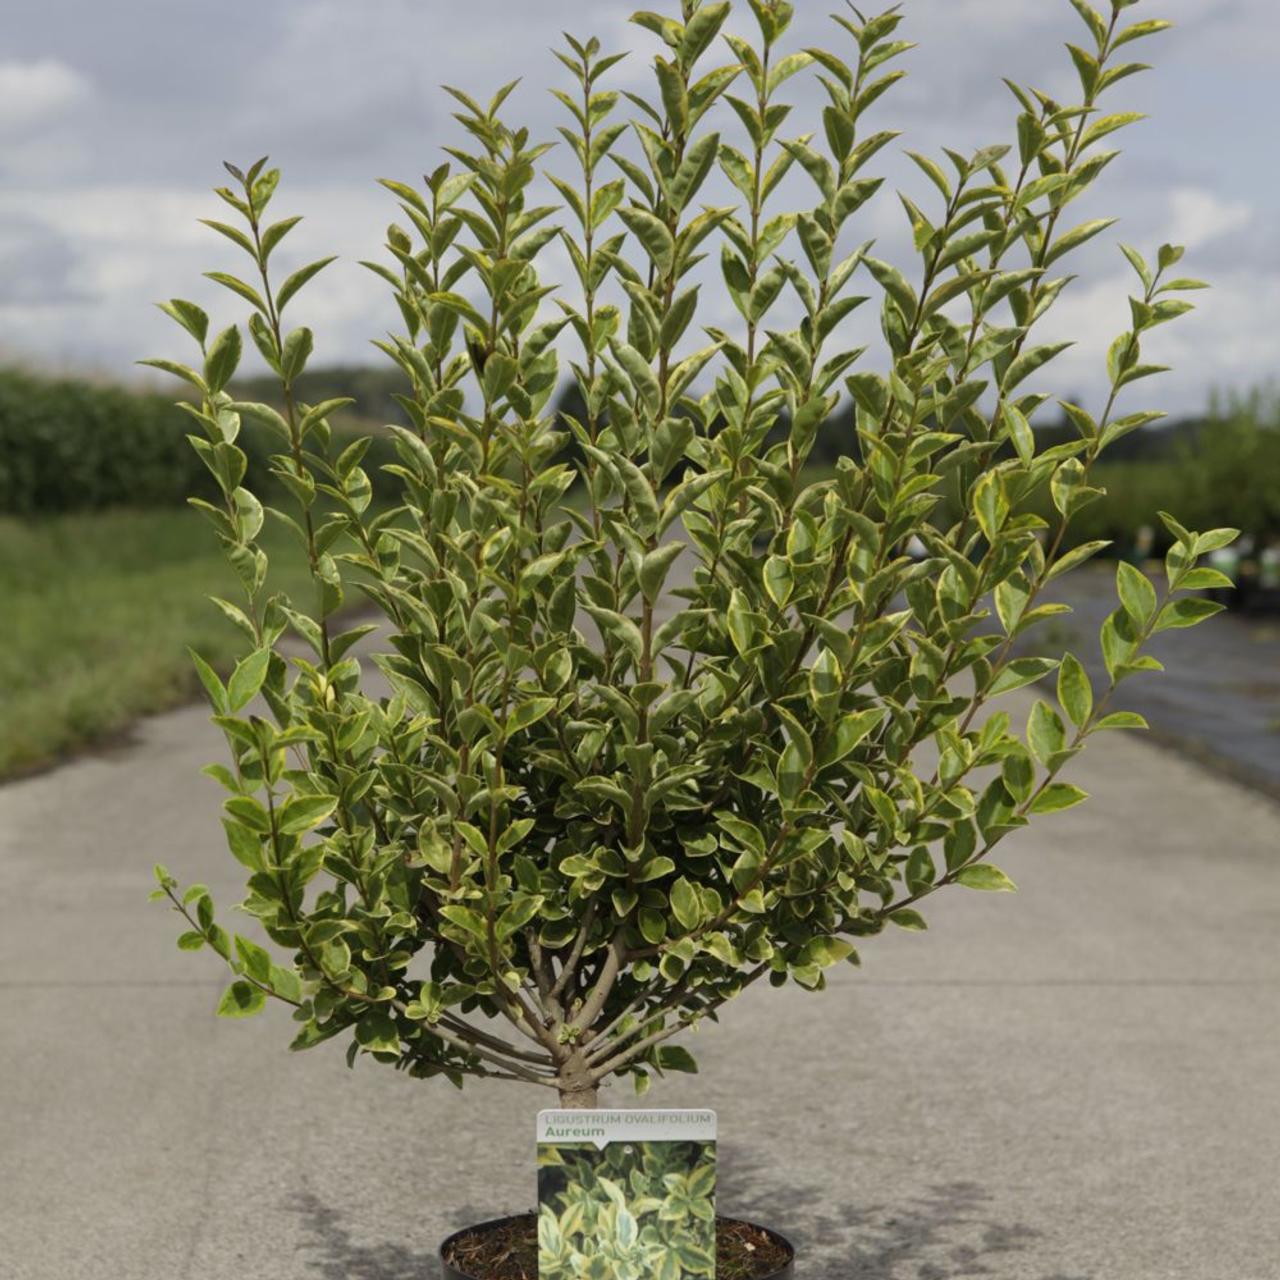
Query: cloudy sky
{"type": "Point", "coordinates": [114, 117]}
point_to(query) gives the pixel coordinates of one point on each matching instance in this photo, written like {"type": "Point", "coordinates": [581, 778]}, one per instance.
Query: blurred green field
{"type": "Point", "coordinates": [96, 613]}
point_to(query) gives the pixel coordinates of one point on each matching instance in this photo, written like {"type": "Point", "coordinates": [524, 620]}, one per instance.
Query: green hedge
{"type": "Point", "coordinates": [71, 445]}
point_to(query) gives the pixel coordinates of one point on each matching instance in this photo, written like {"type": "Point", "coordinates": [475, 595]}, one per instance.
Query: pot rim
{"type": "Point", "coordinates": [783, 1273]}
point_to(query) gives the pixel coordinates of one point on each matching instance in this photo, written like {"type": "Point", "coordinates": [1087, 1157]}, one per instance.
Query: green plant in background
{"type": "Point", "coordinates": [1224, 469]}
{"type": "Point", "coordinates": [635, 1211]}
{"type": "Point", "coordinates": [69, 445]}
{"type": "Point", "coordinates": [620, 761]}
{"type": "Point", "coordinates": [1233, 468]}
{"type": "Point", "coordinates": [72, 445]}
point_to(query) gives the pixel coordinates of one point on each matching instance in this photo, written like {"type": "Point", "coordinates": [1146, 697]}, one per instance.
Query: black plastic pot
{"type": "Point", "coordinates": [447, 1272]}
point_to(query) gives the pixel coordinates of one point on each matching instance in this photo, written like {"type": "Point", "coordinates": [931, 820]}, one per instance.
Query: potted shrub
{"type": "Point", "coordinates": [645, 717]}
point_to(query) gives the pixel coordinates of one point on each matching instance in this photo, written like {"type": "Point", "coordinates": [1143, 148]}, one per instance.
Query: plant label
{"type": "Point", "coordinates": [626, 1195]}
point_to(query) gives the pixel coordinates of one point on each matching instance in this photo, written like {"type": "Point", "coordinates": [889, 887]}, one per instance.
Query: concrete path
{"type": "Point", "coordinates": [1080, 1083]}
{"type": "Point", "coordinates": [1218, 700]}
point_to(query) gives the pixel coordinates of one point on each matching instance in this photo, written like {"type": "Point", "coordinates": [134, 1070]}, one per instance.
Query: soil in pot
{"type": "Point", "coordinates": [508, 1250]}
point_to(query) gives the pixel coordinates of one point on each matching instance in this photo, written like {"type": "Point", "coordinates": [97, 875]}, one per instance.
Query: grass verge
{"type": "Point", "coordinates": [96, 613]}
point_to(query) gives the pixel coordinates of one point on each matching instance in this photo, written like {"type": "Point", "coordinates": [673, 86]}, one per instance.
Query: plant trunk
{"type": "Point", "coordinates": [578, 1088]}
{"type": "Point", "coordinates": [584, 1099]}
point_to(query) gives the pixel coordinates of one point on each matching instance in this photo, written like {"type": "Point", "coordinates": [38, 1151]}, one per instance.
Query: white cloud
{"type": "Point", "coordinates": [34, 92]}
{"type": "Point", "coordinates": [126, 246]}
{"type": "Point", "coordinates": [1230, 341]}
{"type": "Point", "coordinates": [1199, 216]}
